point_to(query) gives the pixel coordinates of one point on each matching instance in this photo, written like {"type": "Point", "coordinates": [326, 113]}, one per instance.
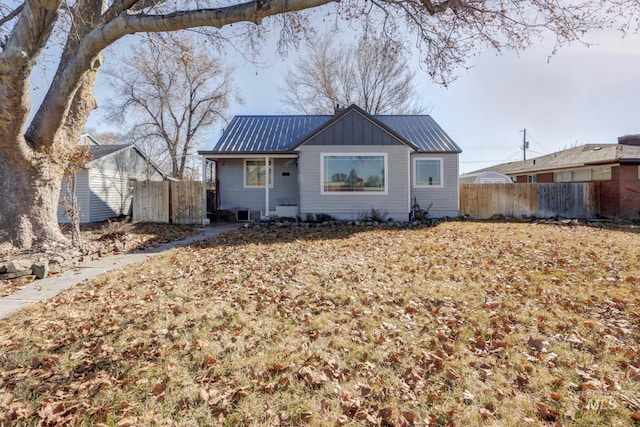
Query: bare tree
{"type": "Point", "coordinates": [34, 154]}
{"type": "Point", "coordinates": [105, 137]}
{"type": "Point", "coordinates": [167, 92]}
{"type": "Point", "coordinates": [372, 74]}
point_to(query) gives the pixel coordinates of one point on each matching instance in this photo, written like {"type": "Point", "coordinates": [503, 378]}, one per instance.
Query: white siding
{"type": "Point", "coordinates": [82, 194]}
{"type": "Point", "coordinates": [353, 206]}
{"type": "Point", "coordinates": [108, 194]}
{"type": "Point", "coordinates": [109, 190]}
{"type": "Point", "coordinates": [441, 201]}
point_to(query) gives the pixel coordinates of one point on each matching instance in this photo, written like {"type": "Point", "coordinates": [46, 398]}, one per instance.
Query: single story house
{"type": "Point", "coordinates": [616, 168]}
{"type": "Point", "coordinates": [104, 185]}
{"type": "Point", "coordinates": [346, 165]}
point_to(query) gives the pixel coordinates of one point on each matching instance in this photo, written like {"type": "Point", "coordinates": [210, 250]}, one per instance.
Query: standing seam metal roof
{"type": "Point", "coordinates": [265, 134]}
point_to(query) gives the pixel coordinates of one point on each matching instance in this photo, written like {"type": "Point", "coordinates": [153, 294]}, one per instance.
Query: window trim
{"type": "Point", "coordinates": [353, 193]}
{"type": "Point", "coordinates": [244, 172]}
{"type": "Point", "coordinates": [415, 172]}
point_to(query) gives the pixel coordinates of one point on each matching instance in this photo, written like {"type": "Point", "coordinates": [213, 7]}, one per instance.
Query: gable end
{"type": "Point", "coordinates": [354, 127]}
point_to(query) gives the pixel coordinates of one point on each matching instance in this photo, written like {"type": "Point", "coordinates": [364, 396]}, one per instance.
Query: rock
{"type": "Point", "coordinates": [40, 269]}
{"type": "Point", "coordinates": [19, 266]}
{"type": "Point", "coordinates": [55, 267]}
{"type": "Point", "coordinates": [3, 269]}
{"type": "Point", "coordinates": [56, 260]}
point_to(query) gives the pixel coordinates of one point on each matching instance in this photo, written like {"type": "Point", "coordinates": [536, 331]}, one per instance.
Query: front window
{"type": "Point", "coordinates": [427, 173]}
{"type": "Point", "coordinates": [354, 173]}
{"type": "Point", "coordinates": [255, 173]}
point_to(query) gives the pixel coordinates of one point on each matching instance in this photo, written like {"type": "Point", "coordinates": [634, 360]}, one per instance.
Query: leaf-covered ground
{"type": "Point", "coordinates": [459, 324]}
{"type": "Point", "coordinates": [103, 238]}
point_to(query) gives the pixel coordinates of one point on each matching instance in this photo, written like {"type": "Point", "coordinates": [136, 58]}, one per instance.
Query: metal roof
{"type": "Point", "coordinates": [272, 134]}
{"type": "Point", "coordinates": [422, 131]}
{"type": "Point", "coordinates": [267, 133]}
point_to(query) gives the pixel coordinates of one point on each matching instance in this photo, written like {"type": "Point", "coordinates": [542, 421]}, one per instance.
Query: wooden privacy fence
{"type": "Point", "coordinates": [570, 200]}
{"type": "Point", "coordinates": [164, 201]}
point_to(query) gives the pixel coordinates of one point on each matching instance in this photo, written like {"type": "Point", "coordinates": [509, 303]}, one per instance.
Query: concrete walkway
{"type": "Point", "coordinates": [41, 290]}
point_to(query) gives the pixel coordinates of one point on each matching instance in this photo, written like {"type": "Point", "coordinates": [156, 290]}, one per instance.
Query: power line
{"type": "Point", "coordinates": [535, 140]}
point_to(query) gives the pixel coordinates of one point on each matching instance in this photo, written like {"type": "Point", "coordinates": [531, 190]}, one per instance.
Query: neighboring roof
{"type": "Point", "coordinates": [87, 139]}
{"type": "Point", "coordinates": [100, 151]}
{"type": "Point", "coordinates": [584, 155]}
{"type": "Point", "coordinates": [273, 134]}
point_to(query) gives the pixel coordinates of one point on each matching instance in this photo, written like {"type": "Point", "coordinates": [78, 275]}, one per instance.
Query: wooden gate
{"type": "Point", "coordinates": [168, 202]}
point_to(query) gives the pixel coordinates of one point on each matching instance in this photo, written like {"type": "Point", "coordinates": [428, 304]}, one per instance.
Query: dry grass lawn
{"type": "Point", "coordinates": [460, 324]}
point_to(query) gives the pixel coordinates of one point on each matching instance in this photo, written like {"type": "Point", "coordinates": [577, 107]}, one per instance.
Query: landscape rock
{"type": "Point", "coordinates": [40, 269]}
{"type": "Point", "coordinates": [19, 266]}
{"type": "Point", "coordinates": [55, 267]}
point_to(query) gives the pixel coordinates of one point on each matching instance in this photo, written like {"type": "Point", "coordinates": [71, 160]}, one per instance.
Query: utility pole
{"type": "Point", "coordinates": [525, 144]}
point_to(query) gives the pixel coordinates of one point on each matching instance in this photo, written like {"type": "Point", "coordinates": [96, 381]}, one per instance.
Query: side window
{"type": "Point", "coordinates": [427, 172]}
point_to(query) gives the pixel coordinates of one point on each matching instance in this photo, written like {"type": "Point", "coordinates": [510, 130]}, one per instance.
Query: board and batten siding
{"type": "Point", "coordinates": [233, 196]}
{"type": "Point", "coordinates": [441, 201]}
{"type": "Point", "coordinates": [353, 129]}
{"type": "Point", "coordinates": [395, 204]}
{"type": "Point", "coordinates": [82, 195]}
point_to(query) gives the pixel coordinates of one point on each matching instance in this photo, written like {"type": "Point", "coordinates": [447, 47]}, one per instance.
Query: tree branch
{"type": "Point", "coordinates": [11, 15]}
{"type": "Point", "coordinates": [56, 103]}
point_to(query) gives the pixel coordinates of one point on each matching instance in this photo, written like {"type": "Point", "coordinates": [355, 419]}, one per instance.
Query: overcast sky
{"type": "Point", "coordinates": [581, 95]}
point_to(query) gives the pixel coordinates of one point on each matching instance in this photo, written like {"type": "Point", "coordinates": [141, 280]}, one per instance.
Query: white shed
{"type": "Point", "coordinates": [492, 178]}
{"type": "Point", "coordinates": [104, 186]}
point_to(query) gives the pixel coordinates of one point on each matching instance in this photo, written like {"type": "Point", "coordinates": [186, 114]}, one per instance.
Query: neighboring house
{"type": "Point", "coordinates": [104, 185]}
{"type": "Point", "coordinates": [345, 165]}
{"type": "Point", "coordinates": [616, 167]}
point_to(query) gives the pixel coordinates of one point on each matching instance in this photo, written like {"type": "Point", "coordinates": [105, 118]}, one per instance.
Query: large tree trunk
{"type": "Point", "coordinates": [30, 189]}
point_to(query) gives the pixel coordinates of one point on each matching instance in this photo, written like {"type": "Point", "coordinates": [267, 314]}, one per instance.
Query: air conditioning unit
{"type": "Point", "coordinates": [247, 215]}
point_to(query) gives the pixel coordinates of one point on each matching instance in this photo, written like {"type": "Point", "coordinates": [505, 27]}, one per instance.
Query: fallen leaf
{"type": "Point", "coordinates": [535, 343]}
{"type": "Point", "coordinates": [159, 388]}
{"type": "Point", "coordinates": [385, 413]}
